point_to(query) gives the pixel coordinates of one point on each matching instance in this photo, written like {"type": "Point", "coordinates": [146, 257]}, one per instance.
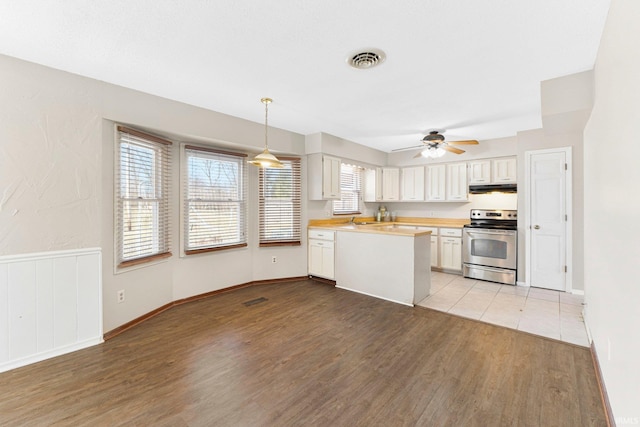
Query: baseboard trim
{"type": "Point", "coordinates": [603, 390]}
{"type": "Point", "coordinates": [323, 280]}
{"type": "Point", "coordinates": [138, 320]}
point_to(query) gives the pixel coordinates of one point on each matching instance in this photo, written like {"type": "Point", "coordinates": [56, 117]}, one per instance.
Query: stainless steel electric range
{"type": "Point", "coordinates": [490, 245]}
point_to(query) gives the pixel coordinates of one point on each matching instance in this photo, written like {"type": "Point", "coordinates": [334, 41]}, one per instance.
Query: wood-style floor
{"type": "Point", "coordinates": [311, 355]}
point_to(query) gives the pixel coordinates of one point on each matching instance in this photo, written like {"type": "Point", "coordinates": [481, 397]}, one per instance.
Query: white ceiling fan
{"type": "Point", "coordinates": [435, 145]}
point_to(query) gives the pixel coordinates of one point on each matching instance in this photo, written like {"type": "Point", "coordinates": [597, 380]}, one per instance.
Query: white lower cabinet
{"type": "Point", "coordinates": [451, 249]}
{"type": "Point", "coordinates": [434, 251]}
{"type": "Point", "coordinates": [321, 262]}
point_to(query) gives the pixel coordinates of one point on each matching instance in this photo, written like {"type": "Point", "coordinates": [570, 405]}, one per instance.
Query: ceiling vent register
{"type": "Point", "coordinates": [367, 59]}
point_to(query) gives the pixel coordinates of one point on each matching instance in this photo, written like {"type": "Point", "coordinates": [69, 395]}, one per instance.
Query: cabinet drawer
{"type": "Point", "coordinates": [452, 232]}
{"type": "Point", "coordinates": [321, 243]}
{"type": "Point", "coordinates": [321, 234]}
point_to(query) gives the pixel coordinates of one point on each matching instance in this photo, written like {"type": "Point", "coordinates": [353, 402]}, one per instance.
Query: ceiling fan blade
{"type": "Point", "coordinates": [452, 149]}
{"type": "Point", "coordinates": [418, 155]}
{"type": "Point", "coordinates": [407, 148]}
{"type": "Point", "coordinates": [465, 142]}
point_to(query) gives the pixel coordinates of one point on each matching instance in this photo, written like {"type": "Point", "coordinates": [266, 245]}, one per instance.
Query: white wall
{"type": "Point", "coordinates": [612, 202]}
{"type": "Point", "coordinates": [50, 160]}
{"type": "Point", "coordinates": [56, 182]}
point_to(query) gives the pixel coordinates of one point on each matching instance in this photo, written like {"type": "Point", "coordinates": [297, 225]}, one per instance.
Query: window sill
{"type": "Point", "coordinates": [215, 249]}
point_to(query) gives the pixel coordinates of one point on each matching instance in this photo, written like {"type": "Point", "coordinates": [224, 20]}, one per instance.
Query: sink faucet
{"type": "Point", "coordinates": [352, 220]}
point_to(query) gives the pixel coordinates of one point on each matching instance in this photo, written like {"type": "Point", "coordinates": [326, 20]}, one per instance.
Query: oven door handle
{"type": "Point", "coordinates": [491, 233]}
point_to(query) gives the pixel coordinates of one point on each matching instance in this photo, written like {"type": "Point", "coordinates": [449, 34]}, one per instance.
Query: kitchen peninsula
{"type": "Point", "coordinates": [384, 260]}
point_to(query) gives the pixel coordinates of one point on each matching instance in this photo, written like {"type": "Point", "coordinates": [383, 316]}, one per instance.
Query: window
{"type": "Point", "coordinates": [279, 205]}
{"type": "Point", "coordinates": [350, 189]}
{"type": "Point", "coordinates": [214, 200]}
{"type": "Point", "coordinates": [142, 197]}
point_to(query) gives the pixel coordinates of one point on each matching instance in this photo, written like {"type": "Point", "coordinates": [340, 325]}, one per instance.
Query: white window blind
{"type": "Point", "coordinates": [350, 190]}
{"type": "Point", "coordinates": [142, 197]}
{"type": "Point", "coordinates": [215, 200]}
{"type": "Point", "coordinates": [280, 203]}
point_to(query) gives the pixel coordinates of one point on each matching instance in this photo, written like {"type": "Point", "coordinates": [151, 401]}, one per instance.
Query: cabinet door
{"type": "Point", "coordinates": [373, 185]}
{"type": "Point", "coordinates": [451, 253]}
{"type": "Point", "coordinates": [330, 177]}
{"type": "Point", "coordinates": [434, 251]}
{"type": "Point", "coordinates": [436, 183]}
{"type": "Point", "coordinates": [504, 170]}
{"type": "Point", "coordinates": [413, 184]}
{"type": "Point", "coordinates": [390, 184]}
{"type": "Point", "coordinates": [321, 259]}
{"type": "Point", "coordinates": [457, 186]}
{"type": "Point", "coordinates": [480, 172]}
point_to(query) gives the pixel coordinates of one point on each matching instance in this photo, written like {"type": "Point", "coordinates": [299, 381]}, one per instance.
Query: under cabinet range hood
{"type": "Point", "coordinates": [493, 188]}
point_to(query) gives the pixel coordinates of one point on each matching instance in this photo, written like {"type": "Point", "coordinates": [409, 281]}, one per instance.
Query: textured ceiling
{"type": "Point", "coordinates": [471, 67]}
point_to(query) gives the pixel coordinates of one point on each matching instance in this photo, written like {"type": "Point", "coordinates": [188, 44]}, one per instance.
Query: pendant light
{"type": "Point", "coordinates": [266, 159]}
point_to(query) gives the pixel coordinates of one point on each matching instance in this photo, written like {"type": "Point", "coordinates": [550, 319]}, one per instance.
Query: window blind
{"type": "Point", "coordinates": [142, 197]}
{"type": "Point", "coordinates": [214, 200]}
{"type": "Point", "coordinates": [280, 203]}
{"type": "Point", "coordinates": [350, 190]}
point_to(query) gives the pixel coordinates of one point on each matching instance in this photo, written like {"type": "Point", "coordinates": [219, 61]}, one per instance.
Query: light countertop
{"type": "Point", "coordinates": [401, 227]}
{"type": "Point", "coordinates": [378, 228]}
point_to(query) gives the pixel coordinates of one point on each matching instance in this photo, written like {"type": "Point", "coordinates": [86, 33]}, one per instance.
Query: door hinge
{"type": "Point", "coordinates": [565, 268]}
{"type": "Point", "coordinates": [565, 217]}
{"type": "Point", "coordinates": [565, 166]}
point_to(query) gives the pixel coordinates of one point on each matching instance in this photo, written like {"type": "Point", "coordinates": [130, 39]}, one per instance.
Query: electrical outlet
{"type": "Point", "coordinates": [120, 296]}
{"type": "Point", "coordinates": [274, 260]}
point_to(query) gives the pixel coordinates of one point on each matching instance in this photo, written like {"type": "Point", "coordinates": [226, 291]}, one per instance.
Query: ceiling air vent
{"type": "Point", "coordinates": [366, 59]}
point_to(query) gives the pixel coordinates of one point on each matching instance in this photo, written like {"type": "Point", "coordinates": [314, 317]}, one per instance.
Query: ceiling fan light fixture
{"type": "Point", "coordinates": [266, 159]}
{"type": "Point", "coordinates": [433, 152]}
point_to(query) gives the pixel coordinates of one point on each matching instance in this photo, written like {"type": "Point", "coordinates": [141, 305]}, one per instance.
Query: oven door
{"type": "Point", "coordinates": [493, 248]}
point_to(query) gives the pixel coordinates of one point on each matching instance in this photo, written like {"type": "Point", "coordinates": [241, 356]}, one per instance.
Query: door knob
{"type": "Point", "coordinates": [537, 227]}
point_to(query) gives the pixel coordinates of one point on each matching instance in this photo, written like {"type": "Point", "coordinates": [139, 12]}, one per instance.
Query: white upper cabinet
{"type": "Point", "coordinates": [504, 170]}
{"type": "Point", "coordinates": [390, 184]}
{"type": "Point", "coordinates": [493, 171]}
{"type": "Point", "coordinates": [436, 179]}
{"type": "Point", "coordinates": [413, 184]}
{"type": "Point", "coordinates": [480, 172]}
{"type": "Point", "coordinates": [373, 185]}
{"type": "Point", "coordinates": [324, 177]}
{"type": "Point", "coordinates": [457, 185]}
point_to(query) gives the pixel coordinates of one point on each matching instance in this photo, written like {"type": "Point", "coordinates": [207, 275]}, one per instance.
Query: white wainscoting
{"type": "Point", "coordinates": [50, 304]}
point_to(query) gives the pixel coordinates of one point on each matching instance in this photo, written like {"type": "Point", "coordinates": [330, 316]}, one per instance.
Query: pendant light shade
{"type": "Point", "coordinates": [266, 159]}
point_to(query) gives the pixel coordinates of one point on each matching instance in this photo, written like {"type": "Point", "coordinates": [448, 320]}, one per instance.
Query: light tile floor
{"type": "Point", "coordinates": [538, 311]}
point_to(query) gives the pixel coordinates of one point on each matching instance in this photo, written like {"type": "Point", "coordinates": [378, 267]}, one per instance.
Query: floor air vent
{"type": "Point", "coordinates": [255, 301]}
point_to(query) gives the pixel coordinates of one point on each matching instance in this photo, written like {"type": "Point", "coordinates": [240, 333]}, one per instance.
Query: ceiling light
{"type": "Point", "coordinates": [266, 159]}
{"type": "Point", "coordinates": [433, 152]}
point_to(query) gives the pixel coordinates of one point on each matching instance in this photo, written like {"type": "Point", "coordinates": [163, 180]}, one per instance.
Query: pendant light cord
{"type": "Point", "coordinates": [266, 102]}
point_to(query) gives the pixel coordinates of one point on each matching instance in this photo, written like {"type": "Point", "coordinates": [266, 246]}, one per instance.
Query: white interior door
{"type": "Point", "coordinates": [548, 219]}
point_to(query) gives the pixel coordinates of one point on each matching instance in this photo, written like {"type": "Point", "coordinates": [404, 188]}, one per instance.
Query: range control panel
{"type": "Point", "coordinates": [509, 215]}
